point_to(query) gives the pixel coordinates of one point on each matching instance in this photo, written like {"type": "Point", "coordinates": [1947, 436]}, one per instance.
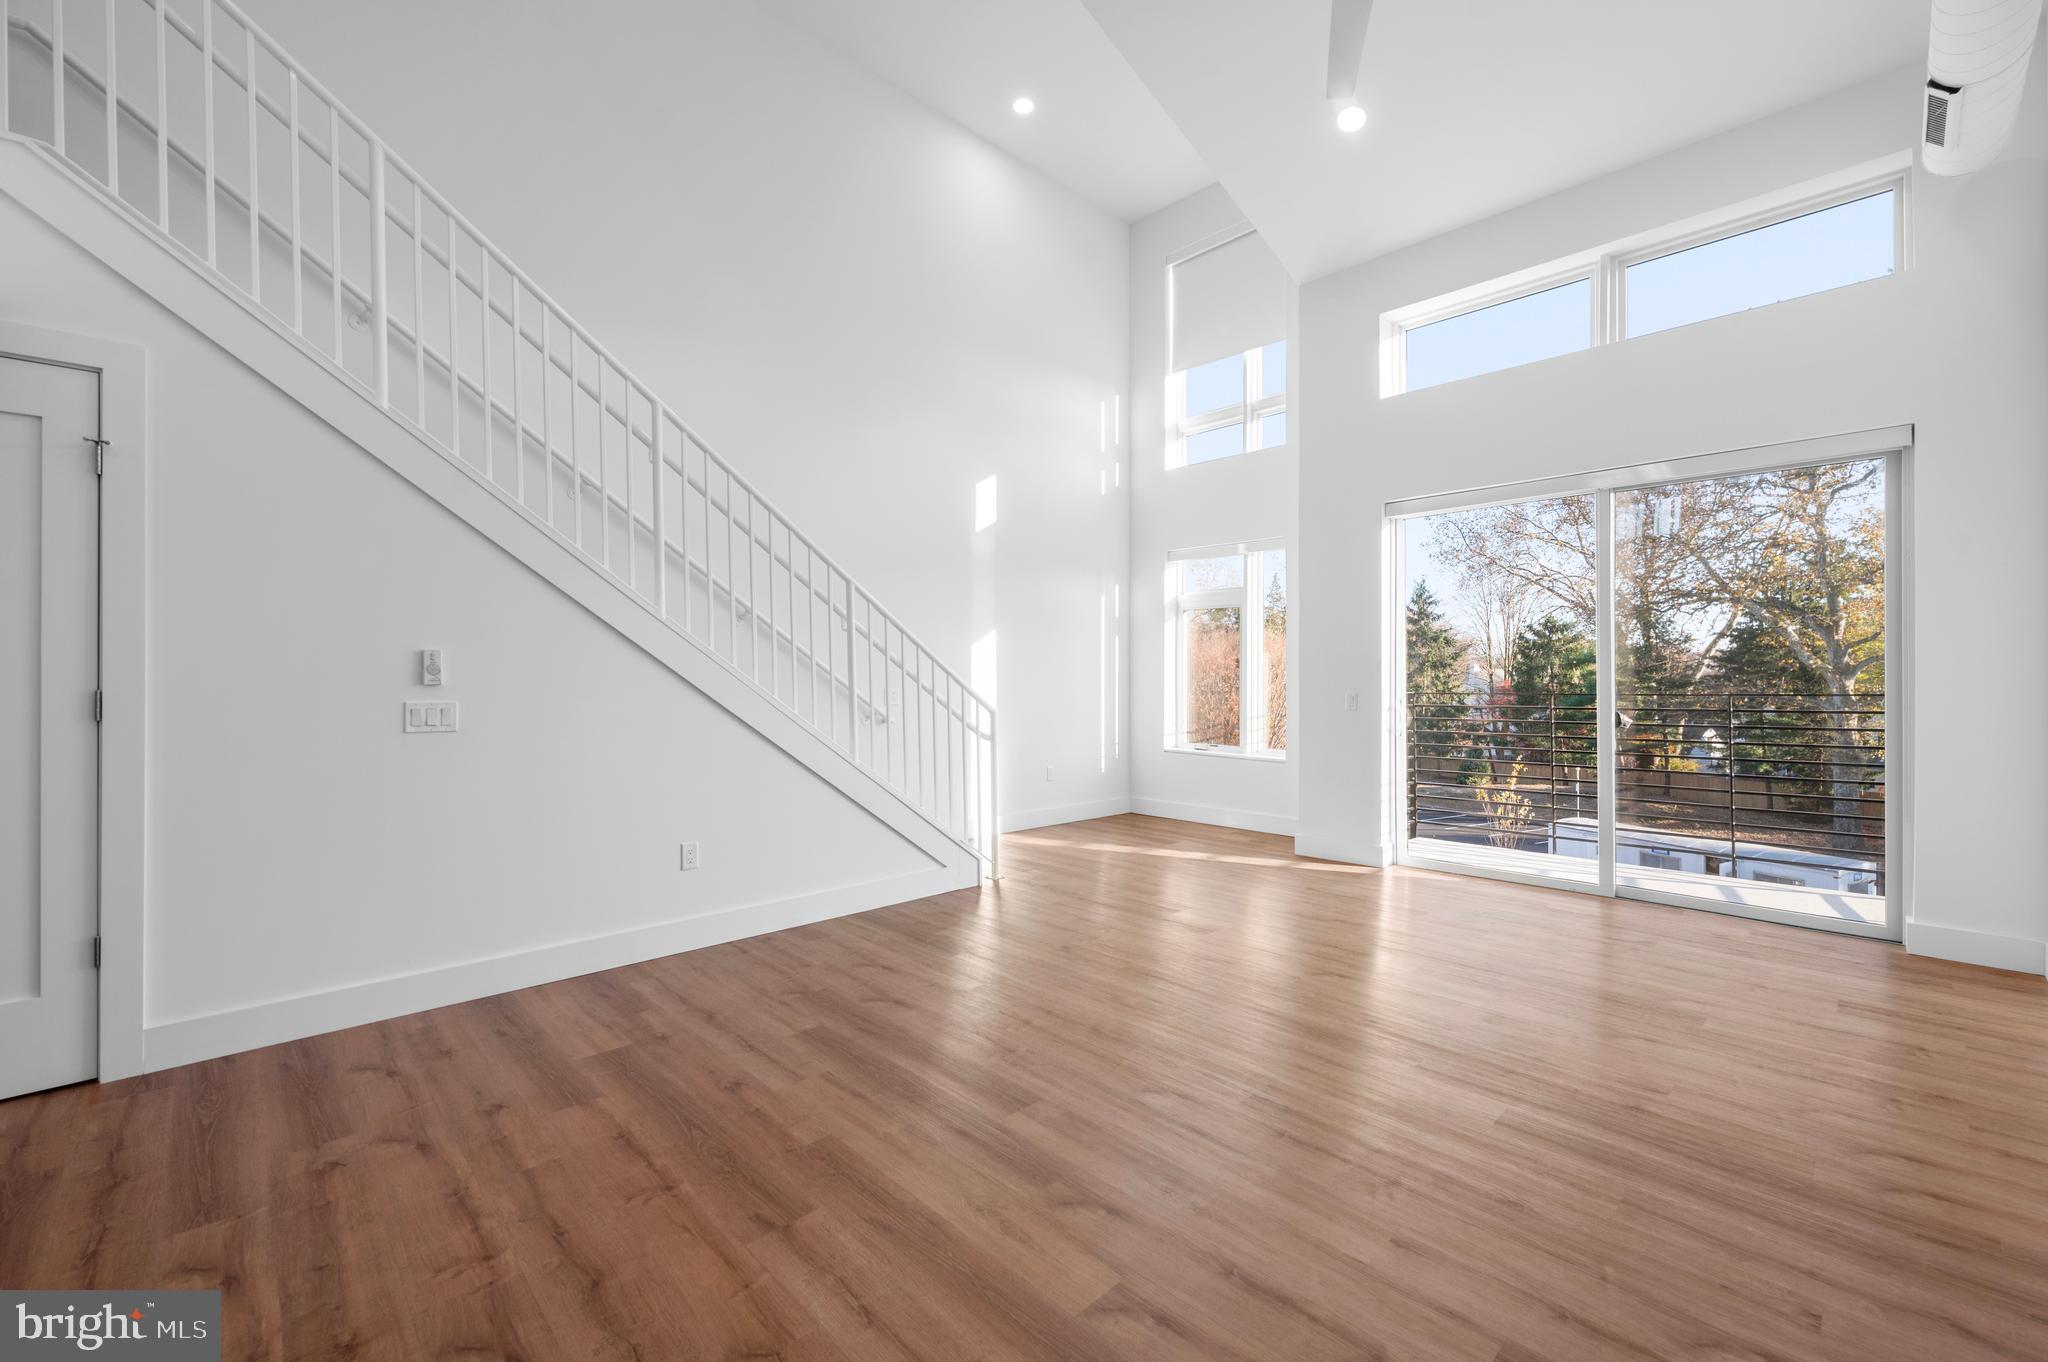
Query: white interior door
{"type": "Point", "coordinates": [49, 745]}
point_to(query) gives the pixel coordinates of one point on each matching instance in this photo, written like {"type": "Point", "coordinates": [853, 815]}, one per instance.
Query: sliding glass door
{"type": "Point", "coordinates": [1667, 682]}
{"type": "Point", "coordinates": [1749, 646]}
{"type": "Point", "coordinates": [1501, 706]}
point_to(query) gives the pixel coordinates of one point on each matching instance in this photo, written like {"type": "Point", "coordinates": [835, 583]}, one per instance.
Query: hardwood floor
{"type": "Point", "coordinates": [1168, 1093]}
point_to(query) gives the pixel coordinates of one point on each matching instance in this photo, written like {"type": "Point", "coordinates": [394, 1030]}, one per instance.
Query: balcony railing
{"type": "Point", "coordinates": [1785, 788]}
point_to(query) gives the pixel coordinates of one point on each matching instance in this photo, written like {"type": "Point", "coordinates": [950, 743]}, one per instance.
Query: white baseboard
{"type": "Point", "coordinates": [192, 1039]}
{"type": "Point", "coordinates": [1248, 819]}
{"type": "Point", "coordinates": [1025, 819]}
{"type": "Point", "coordinates": [1977, 948]}
{"type": "Point", "coordinates": [1350, 851]}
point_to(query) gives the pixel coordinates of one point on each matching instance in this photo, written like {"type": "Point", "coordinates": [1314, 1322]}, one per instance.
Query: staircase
{"type": "Point", "coordinates": [209, 137]}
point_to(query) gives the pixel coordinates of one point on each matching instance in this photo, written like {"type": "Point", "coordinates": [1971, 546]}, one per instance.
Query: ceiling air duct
{"type": "Point", "coordinates": [1977, 55]}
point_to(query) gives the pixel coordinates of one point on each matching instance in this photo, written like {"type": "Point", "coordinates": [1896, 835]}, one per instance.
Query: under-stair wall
{"type": "Point", "coordinates": [308, 880]}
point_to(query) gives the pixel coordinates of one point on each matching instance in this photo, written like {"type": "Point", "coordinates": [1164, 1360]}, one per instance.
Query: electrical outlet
{"type": "Point", "coordinates": [689, 855]}
{"type": "Point", "coordinates": [1351, 699]}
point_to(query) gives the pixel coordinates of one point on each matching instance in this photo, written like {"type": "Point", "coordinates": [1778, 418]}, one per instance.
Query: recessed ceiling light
{"type": "Point", "coordinates": [1350, 118]}
{"type": "Point", "coordinates": [1024, 105]}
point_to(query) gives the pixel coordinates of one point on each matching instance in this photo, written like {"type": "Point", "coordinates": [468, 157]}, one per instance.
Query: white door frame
{"type": "Point", "coordinates": [1895, 444]}
{"type": "Point", "coordinates": [123, 673]}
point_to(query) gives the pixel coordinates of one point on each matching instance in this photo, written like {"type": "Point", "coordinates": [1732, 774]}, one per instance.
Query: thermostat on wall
{"type": "Point", "coordinates": [430, 667]}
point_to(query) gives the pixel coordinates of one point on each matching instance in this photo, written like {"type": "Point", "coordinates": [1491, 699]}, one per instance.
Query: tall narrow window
{"type": "Point", "coordinates": [1227, 389]}
{"type": "Point", "coordinates": [1227, 646]}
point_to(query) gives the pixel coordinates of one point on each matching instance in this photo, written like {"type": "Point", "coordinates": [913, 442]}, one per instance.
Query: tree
{"type": "Point", "coordinates": [1436, 655]}
{"type": "Point", "coordinates": [1797, 553]}
{"type": "Point", "coordinates": [1436, 695]}
{"type": "Point", "coordinates": [1555, 657]}
{"type": "Point", "coordinates": [1276, 662]}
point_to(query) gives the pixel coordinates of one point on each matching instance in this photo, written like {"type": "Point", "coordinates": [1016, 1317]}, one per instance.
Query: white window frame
{"type": "Point", "coordinates": [1606, 267]}
{"type": "Point", "coordinates": [1180, 423]}
{"type": "Point", "coordinates": [1247, 410]}
{"type": "Point", "coordinates": [1249, 600]}
{"type": "Point", "coordinates": [1894, 444]}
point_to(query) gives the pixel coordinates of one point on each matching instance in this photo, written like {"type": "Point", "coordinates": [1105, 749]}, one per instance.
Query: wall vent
{"type": "Point", "coordinates": [1937, 118]}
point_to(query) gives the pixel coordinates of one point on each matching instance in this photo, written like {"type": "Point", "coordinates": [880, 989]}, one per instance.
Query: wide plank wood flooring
{"type": "Point", "coordinates": [1167, 1093]}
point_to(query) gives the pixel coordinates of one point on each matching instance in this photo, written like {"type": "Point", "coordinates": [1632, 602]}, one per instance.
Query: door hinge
{"type": "Point", "coordinates": [99, 456]}
{"type": "Point", "coordinates": [99, 705]}
{"type": "Point", "coordinates": [95, 952]}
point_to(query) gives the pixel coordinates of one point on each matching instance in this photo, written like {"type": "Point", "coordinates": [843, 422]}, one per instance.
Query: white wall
{"type": "Point", "coordinates": [1957, 345]}
{"type": "Point", "coordinates": [1226, 501]}
{"type": "Point", "coordinates": [863, 306]}
{"type": "Point", "coordinates": [309, 864]}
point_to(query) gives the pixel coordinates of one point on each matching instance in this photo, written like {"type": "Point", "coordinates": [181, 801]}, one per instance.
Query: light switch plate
{"type": "Point", "coordinates": [431, 672]}
{"type": "Point", "coordinates": [432, 716]}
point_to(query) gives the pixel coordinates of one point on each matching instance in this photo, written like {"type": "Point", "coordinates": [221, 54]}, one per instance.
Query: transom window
{"type": "Point", "coordinates": [1233, 405]}
{"type": "Point", "coordinates": [1227, 650]}
{"type": "Point", "coordinates": [1746, 258]}
{"type": "Point", "coordinates": [1227, 386]}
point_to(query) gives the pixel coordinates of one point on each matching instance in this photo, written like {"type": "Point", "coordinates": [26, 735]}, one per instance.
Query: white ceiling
{"type": "Point", "coordinates": [1097, 129]}
{"type": "Point", "coordinates": [1476, 105]}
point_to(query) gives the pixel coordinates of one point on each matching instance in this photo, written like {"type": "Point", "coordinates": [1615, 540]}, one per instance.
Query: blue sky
{"type": "Point", "coordinates": [1845, 244]}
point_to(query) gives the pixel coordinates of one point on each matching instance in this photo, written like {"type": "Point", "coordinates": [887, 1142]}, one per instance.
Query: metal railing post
{"type": "Point", "coordinates": [1553, 773]}
{"type": "Point", "coordinates": [1734, 854]}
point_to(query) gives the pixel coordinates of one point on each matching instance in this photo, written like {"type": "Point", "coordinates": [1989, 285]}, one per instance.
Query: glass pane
{"type": "Point", "coordinates": [1219, 383]}
{"type": "Point", "coordinates": [1749, 659]}
{"type": "Point", "coordinates": [1273, 430]}
{"type": "Point", "coordinates": [1212, 667]}
{"type": "Point", "coordinates": [1212, 574]}
{"type": "Point", "coordinates": [1845, 244]}
{"type": "Point", "coordinates": [1502, 700]}
{"type": "Point", "coordinates": [1272, 370]}
{"type": "Point", "coordinates": [1556, 321]}
{"type": "Point", "coordinates": [1273, 571]}
{"type": "Point", "coordinates": [1220, 443]}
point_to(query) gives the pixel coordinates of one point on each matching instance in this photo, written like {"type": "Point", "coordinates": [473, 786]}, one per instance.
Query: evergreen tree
{"type": "Point", "coordinates": [1436, 655]}
{"type": "Point", "coordinates": [1554, 657]}
{"type": "Point", "coordinates": [1438, 722]}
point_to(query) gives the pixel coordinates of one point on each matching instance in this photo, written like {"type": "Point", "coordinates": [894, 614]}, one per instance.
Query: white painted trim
{"type": "Point", "coordinates": [169, 1044]}
{"type": "Point", "coordinates": [1971, 947]}
{"type": "Point", "coordinates": [123, 675]}
{"type": "Point", "coordinates": [1818, 449]}
{"type": "Point", "coordinates": [1248, 819]}
{"type": "Point", "coordinates": [1023, 820]}
{"type": "Point", "coordinates": [1326, 848]}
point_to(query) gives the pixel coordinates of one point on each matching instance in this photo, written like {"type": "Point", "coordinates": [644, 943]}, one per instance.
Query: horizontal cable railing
{"type": "Point", "coordinates": [1784, 787]}
{"type": "Point", "coordinates": [207, 133]}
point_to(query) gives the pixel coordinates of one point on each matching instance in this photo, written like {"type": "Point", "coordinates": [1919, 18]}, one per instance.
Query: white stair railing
{"type": "Point", "coordinates": [221, 145]}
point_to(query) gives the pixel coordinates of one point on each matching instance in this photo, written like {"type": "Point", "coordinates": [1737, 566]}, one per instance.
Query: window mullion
{"type": "Point", "coordinates": [1248, 661]}
{"type": "Point", "coordinates": [1254, 362]}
